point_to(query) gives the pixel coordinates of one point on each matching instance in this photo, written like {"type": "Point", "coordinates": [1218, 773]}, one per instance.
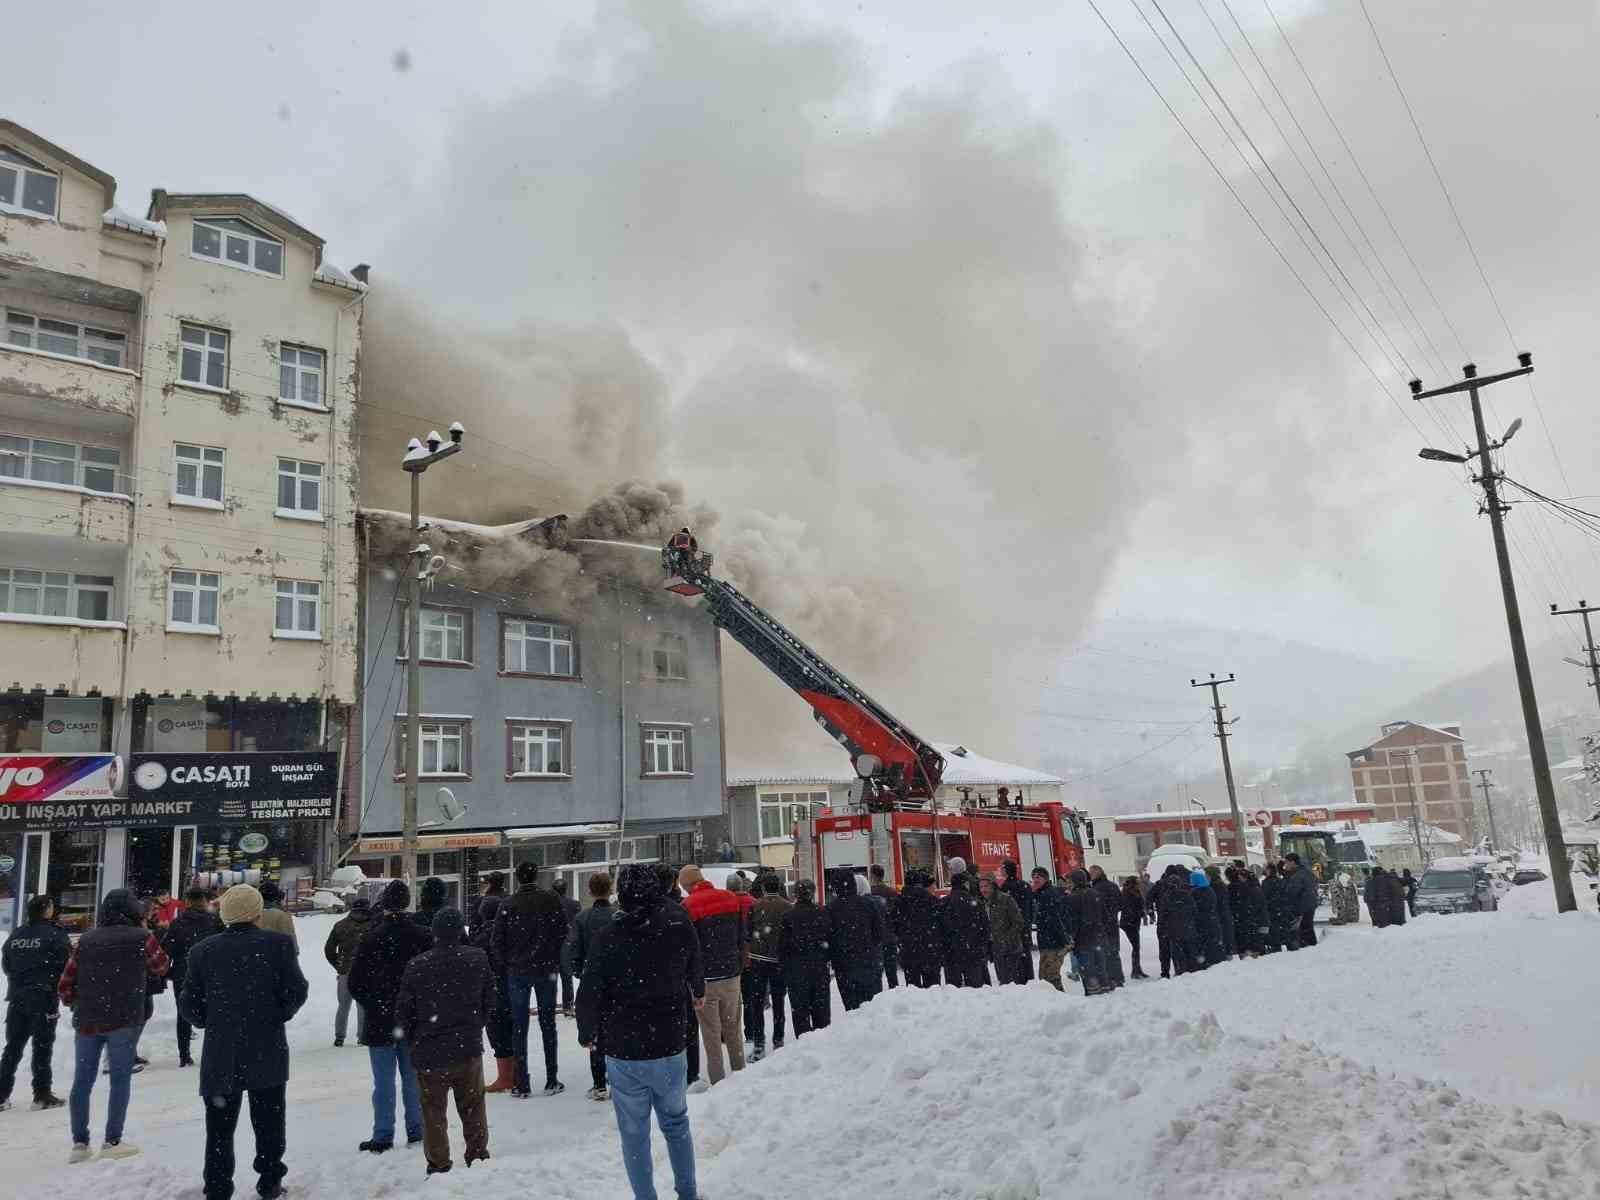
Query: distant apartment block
{"type": "Point", "coordinates": [1417, 770]}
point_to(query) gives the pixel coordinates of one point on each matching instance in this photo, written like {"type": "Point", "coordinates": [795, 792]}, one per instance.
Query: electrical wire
{"type": "Point", "coordinates": [1190, 732]}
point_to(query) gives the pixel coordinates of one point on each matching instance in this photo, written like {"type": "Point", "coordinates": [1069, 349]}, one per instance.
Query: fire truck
{"type": "Point", "coordinates": [895, 817]}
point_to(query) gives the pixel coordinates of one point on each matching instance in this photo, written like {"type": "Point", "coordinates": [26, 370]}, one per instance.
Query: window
{"type": "Point", "coordinates": [300, 376]}
{"type": "Point", "coordinates": [197, 474]}
{"type": "Point", "coordinates": [532, 647]}
{"type": "Point", "coordinates": [204, 358]}
{"type": "Point", "coordinates": [55, 594]}
{"type": "Point", "coordinates": [65, 337]}
{"type": "Point", "coordinates": [1102, 847]}
{"type": "Point", "coordinates": [300, 489]}
{"type": "Point", "coordinates": [192, 601]}
{"type": "Point", "coordinates": [299, 609]}
{"type": "Point", "coordinates": [446, 635]}
{"type": "Point", "coordinates": [27, 186]}
{"type": "Point", "coordinates": [781, 811]}
{"type": "Point", "coordinates": [672, 657]}
{"type": "Point", "coordinates": [666, 750]}
{"type": "Point", "coordinates": [237, 243]}
{"type": "Point", "coordinates": [537, 748]}
{"type": "Point", "coordinates": [91, 467]}
{"type": "Point", "coordinates": [446, 747]}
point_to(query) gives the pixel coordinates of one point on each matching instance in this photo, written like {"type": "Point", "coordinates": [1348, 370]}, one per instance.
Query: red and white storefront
{"type": "Point", "coordinates": [1124, 842]}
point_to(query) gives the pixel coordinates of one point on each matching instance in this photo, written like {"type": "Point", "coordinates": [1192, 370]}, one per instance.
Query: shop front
{"type": "Point", "coordinates": [54, 813]}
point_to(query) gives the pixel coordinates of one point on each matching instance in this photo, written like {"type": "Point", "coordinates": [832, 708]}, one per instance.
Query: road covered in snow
{"type": "Point", "coordinates": [1452, 1056]}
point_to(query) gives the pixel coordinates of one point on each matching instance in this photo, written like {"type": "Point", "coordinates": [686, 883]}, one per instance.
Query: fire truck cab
{"type": "Point", "coordinates": [910, 837]}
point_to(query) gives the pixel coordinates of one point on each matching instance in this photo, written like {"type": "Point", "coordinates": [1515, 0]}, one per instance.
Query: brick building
{"type": "Point", "coordinates": [1425, 766]}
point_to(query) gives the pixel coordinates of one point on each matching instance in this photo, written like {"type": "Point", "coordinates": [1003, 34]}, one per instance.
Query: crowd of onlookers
{"type": "Point", "coordinates": [675, 978]}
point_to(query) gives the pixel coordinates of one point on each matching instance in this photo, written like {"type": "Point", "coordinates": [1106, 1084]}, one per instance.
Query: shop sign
{"type": "Point", "coordinates": [205, 789]}
{"type": "Point", "coordinates": [431, 841]}
{"type": "Point", "coordinates": [51, 791]}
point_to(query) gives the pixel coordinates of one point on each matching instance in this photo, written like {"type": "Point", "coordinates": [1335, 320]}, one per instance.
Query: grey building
{"type": "Point", "coordinates": [569, 704]}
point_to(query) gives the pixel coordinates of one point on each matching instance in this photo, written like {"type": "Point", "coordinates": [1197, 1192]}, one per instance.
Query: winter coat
{"type": "Point", "coordinates": [1021, 894]}
{"type": "Point", "coordinates": [104, 979]}
{"type": "Point", "coordinates": [1376, 894]}
{"type": "Point", "coordinates": [1008, 934]}
{"type": "Point", "coordinates": [766, 925]}
{"type": "Point", "coordinates": [571, 910]}
{"type": "Point", "coordinates": [1054, 917]}
{"type": "Point", "coordinates": [390, 942]}
{"type": "Point", "coordinates": [855, 934]}
{"type": "Point", "coordinates": [803, 937]}
{"type": "Point", "coordinates": [1272, 896]}
{"type": "Point", "coordinates": [1227, 935]}
{"type": "Point", "coordinates": [344, 937]}
{"type": "Point", "coordinates": [1130, 909]}
{"type": "Point", "coordinates": [529, 931]}
{"type": "Point", "coordinates": [1086, 918]}
{"type": "Point", "coordinates": [1299, 892]}
{"type": "Point", "coordinates": [33, 958]}
{"type": "Point", "coordinates": [719, 922]}
{"type": "Point", "coordinates": [1110, 904]}
{"type": "Point", "coordinates": [964, 924]}
{"type": "Point", "coordinates": [242, 987]}
{"type": "Point", "coordinates": [482, 934]}
{"type": "Point", "coordinates": [915, 917]}
{"type": "Point", "coordinates": [1207, 923]}
{"type": "Point", "coordinates": [446, 996]}
{"type": "Point", "coordinates": [580, 941]}
{"type": "Point", "coordinates": [630, 997]}
{"type": "Point", "coordinates": [187, 930]}
{"type": "Point", "coordinates": [1174, 908]}
{"type": "Point", "coordinates": [890, 898]}
{"type": "Point", "coordinates": [1397, 898]}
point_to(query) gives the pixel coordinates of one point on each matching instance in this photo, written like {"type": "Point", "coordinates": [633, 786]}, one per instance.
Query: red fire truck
{"type": "Point", "coordinates": [896, 820]}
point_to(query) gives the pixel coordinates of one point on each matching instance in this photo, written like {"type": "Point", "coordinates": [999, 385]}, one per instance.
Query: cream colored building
{"type": "Point", "coordinates": [177, 491]}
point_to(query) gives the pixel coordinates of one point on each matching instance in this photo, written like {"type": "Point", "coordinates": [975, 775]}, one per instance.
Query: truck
{"type": "Point", "coordinates": [894, 818]}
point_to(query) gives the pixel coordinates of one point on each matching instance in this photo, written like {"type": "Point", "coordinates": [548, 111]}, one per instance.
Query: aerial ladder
{"type": "Point", "coordinates": [893, 763]}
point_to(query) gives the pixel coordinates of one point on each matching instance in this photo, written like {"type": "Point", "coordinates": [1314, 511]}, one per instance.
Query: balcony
{"type": "Point", "coordinates": [53, 510]}
{"type": "Point", "coordinates": [55, 652]}
{"type": "Point", "coordinates": [65, 388]}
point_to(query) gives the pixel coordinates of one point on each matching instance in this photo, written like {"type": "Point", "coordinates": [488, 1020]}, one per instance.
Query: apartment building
{"type": "Point", "coordinates": [572, 708]}
{"type": "Point", "coordinates": [177, 556]}
{"type": "Point", "coordinates": [1417, 770]}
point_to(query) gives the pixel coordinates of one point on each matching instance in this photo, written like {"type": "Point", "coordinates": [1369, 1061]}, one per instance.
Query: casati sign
{"type": "Point", "coordinates": [189, 789]}
{"type": "Point", "coordinates": [55, 791]}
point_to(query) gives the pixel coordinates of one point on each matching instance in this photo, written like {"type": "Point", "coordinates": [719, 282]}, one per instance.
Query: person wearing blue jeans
{"type": "Point", "coordinates": [386, 1062]}
{"type": "Point", "coordinates": [376, 970]}
{"type": "Point", "coordinates": [542, 990]}
{"type": "Point", "coordinates": [530, 930]}
{"type": "Point", "coordinates": [119, 1046]}
{"type": "Point", "coordinates": [638, 1087]}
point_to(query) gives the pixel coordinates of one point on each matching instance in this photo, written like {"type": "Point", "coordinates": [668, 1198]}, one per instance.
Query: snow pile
{"type": "Point", "coordinates": [119, 219]}
{"type": "Point", "coordinates": [328, 273]}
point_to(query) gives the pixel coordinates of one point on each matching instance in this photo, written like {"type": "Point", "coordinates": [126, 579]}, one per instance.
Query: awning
{"type": "Point", "coordinates": [566, 831]}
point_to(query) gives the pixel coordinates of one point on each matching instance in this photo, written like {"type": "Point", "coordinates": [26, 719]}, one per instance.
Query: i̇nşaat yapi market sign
{"type": "Point", "coordinates": [79, 791]}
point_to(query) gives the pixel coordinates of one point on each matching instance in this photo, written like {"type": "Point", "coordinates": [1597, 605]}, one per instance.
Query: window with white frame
{"type": "Point", "coordinates": [300, 376]}
{"type": "Point", "coordinates": [666, 749]}
{"type": "Point", "coordinates": [781, 811]}
{"type": "Point", "coordinates": [1102, 847]}
{"type": "Point", "coordinates": [299, 609]}
{"type": "Point", "coordinates": [299, 488]}
{"type": "Point", "coordinates": [96, 468]}
{"type": "Point", "coordinates": [197, 474]}
{"type": "Point", "coordinates": [237, 243]}
{"type": "Point", "coordinates": [672, 657]}
{"type": "Point", "coordinates": [204, 356]}
{"type": "Point", "coordinates": [532, 647]}
{"type": "Point", "coordinates": [28, 592]}
{"type": "Point", "coordinates": [446, 635]}
{"type": "Point", "coordinates": [537, 748]}
{"type": "Point", "coordinates": [34, 332]}
{"type": "Point", "coordinates": [192, 601]}
{"type": "Point", "coordinates": [27, 186]}
{"type": "Point", "coordinates": [446, 747]}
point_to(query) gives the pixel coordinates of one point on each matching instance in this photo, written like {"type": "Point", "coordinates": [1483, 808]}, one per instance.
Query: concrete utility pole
{"type": "Point", "coordinates": [1488, 805]}
{"type": "Point", "coordinates": [1550, 816]}
{"type": "Point", "coordinates": [1583, 610]}
{"type": "Point", "coordinates": [417, 460]}
{"type": "Point", "coordinates": [1418, 820]}
{"type": "Point", "coordinates": [1227, 765]}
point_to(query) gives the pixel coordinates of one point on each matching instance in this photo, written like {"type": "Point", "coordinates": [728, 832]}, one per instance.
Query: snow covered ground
{"type": "Point", "coordinates": [1453, 1056]}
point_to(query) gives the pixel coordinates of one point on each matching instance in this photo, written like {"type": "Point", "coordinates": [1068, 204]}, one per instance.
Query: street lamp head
{"type": "Point", "coordinates": [457, 432]}
{"type": "Point", "coordinates": [1511, 430]}
{"type": "Point", "coordinates": [1433, 455]}
{"type": "Point", "coordinates": [1525, 359]}
{"type": "Point", "coordinates": [1416, 387]}
{"type": "Point", "coordinates": [1470, 370]}
{"type": "Point", "coordinates": [434, 440]}
{"type": "Point", "coordinates": [413, 444]}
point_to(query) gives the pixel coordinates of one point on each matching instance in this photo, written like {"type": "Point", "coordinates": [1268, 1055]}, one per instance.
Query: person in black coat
{"type": "Point", "coordinates": [964, 926]}
{"type": "Point", "coordinates": [580, 943]}
{"type": "Point", "coordinates": [432, 895]}
{"type": "Point", "coordinates": [1249, 912]}
{"type": "Point", "coordinates": [375, 974]}
{"type": "Point", "coordinates": [1224, 902]}
{"type": "Point", "coordinates": [529, 930]}
{"type": "Point", "coordinates": [242, 987]}
{"type": "Point", "coordinates": [446, 996]}
{"type": "Point", "coordinates": [1086, 920]}
{"type": "Point", "coordinates": [803, 952]}
{"type": "Point", "coordinates": [499, 1026]}
{"type": "Point", "coordinates": [1376, 893]}
{"type": "Point", "coordinates": [855, 942]}
{"type": "Point", "coordinates": [634, 978]}
{"type": "Point", "coordinates": [1410, 882]}
{"type": "Point", "coordinates": [570, 908]}
{"type": "Point", "coordinates": [192, 925]}
{"type": "Point", "coordinates": [1111, 909]}
{"type": "Point", "coordinates": [1174, 921]}
{"type": "Point", "coordinates": [1207, 947]}
{"type": "Point", "coordinates": [1130, 918]}
{"type": "Point", "coordinates": [1277, 921]}
{"type": "Point", "coordinates": [1300, 895]}
{"type": "Point", "coordinates": [1055, 927]}
{"type": "Point", "coordinates": [1017, 888]}
{"type": "Point", "coordinates": [915, 917]}
{"type": "Point", "coordinates": [34, 956]}
{"type": "Point", "coordinates": [1397, 898]}
{"type": "Point", "coordinates": [667, 877]}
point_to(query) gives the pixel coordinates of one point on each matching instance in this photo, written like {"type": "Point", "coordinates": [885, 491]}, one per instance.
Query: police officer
{"type": "Point", "coordinates": [33, 958]}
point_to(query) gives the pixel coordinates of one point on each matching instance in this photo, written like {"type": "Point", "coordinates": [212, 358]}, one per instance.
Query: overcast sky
{"type": "Point", "coordinates": [1226, 458]}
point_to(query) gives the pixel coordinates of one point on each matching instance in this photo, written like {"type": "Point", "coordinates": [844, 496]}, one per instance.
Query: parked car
{"type": "Point", "coordinates": [1455, 886]}
{"type": "Point", "coordinates": [1528, 875]}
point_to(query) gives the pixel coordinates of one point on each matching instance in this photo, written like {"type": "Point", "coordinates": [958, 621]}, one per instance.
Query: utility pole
{"type": "Point", "coordinates": [1417, 820]}
{"type": "Point", "coordinates": [1550, 816]}
{"type": "Point", "coordinates": [1488, 805]}
{"type": "Point", "coordinates": [417, 460]}
{"type": "Point", "coordinates": [1583, 610]}
{"type": "Point", "coordinates": [1227, 765]}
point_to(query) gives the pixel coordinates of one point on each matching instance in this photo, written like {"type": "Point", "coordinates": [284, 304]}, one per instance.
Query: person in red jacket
{"type": "Point", "coordinates": [720, 921]}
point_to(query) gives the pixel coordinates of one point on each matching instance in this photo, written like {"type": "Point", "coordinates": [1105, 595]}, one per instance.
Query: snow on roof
{"type": "Point", "coordinates": [962, 768]}
{"type": "Point", "coordinates": [1378, 834]}
{"type": "Point", "coordinates": [1195, 814]}
{"type": "Point", "coordinates": [467, 527]}
{"type": "Point", "coordinates": [328, 273]}
{"type": "Point", "coordinates": [118, 219]}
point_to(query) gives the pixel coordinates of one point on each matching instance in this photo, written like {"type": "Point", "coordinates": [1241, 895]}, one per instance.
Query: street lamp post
{"type": "Point", "coordinates": [418, 459]}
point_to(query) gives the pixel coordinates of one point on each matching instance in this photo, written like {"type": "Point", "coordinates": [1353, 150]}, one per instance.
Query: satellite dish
{"type": "Point", "coordinates": [450, 809]}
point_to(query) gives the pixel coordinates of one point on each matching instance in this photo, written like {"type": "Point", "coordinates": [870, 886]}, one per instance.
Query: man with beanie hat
{"type": "Point", "coordinates": [803, 951]}
{"type": "Point", "coordinates": [375, 974]}
{"type": "Point", "coordinates": [34, 956]}
{"type": "Point", "coordinates": [104, 985]}
{"type": "Point", "coordinates": [766, 970]}
{"type": "Point", "coordinates": [529, 930]}
{"type": "Point", "coordinates": [964, 923]}
{"type": "Point", "coordinates": [719, 920]}
{"type": "Point", "coordinates": [273, 918]}
{"type": "Point", "coordinates": [188, 928]}
{"type": "Point", "coordinates": [855, 941]}
{"type": "Point", "coordinates": [446, 996]}
{"type": "Point", "coordinates": [634, 978]}
{"type": "Point", "coordinates": [242, 986]}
